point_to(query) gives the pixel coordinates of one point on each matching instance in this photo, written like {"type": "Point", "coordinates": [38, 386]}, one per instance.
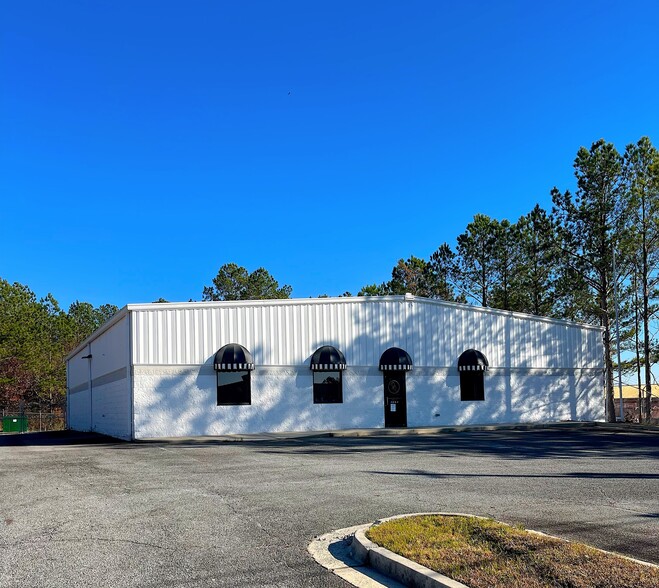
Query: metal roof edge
{"type": "Point", "coordinates": [268, 302]}
{"type": "Point", "coordinates": [357, 299]}
{"type": "Point", "coordinates": [499, 311]}
{"type": "Point", "coordinates": [113, 320]}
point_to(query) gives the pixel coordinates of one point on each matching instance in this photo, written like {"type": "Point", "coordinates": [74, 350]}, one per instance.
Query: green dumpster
{"type": "Point", "coordinates": [14, 424]}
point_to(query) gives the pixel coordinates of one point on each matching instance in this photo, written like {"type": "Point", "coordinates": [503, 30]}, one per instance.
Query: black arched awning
{"type": "Point", "coordinates": [472, 361]}
{"type": "Point", "coordinates": [395, 359]}
{"type": "Point", "coordinates": [327, 358]}
{"type": "Point", "coordinates": [233, 358]}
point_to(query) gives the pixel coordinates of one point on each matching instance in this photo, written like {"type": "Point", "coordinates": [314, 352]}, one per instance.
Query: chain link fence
{"type": "Point", "coordinates": [20, 420]}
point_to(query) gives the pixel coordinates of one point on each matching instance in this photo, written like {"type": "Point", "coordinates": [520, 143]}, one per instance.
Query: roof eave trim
{"type": "Point", "coordinates": [121, 313]}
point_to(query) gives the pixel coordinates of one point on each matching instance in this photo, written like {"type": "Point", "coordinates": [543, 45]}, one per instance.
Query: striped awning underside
{"type": "Point", "coordinates": [395, 368]}
{"type": "Point", "coordinates": [327, 367]}
{"type": "Point", "coordinates": [233, 367]}
{"type": "Point", "coordinates": [472, 368]}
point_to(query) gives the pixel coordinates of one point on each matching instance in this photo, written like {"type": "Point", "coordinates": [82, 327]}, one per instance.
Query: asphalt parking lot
{"type": "Point", "coordinates": [88, 511]}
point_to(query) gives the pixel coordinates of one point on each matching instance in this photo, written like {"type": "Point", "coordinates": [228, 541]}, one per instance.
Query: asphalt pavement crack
{"type": "Point", "coordinates": [610, 500]}
{"type": "Point", "coordinates": [612, 503]}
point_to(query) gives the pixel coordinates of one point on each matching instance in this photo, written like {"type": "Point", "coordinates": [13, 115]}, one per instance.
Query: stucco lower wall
{"type": "Point", "coordinates": [172, 401]}
{"type": "Point", "coordinates": [511, 396]}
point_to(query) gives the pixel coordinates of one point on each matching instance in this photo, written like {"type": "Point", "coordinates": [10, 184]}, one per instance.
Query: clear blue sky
{"type": "Point", "coordinates": [145, 144]}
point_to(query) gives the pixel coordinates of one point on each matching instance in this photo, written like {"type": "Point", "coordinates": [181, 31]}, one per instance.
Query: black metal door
{"type": "Point", "coordinates": [395, 400]}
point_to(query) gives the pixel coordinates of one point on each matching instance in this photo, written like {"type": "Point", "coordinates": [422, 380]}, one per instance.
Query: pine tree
{"type": "Point", "coordinates": [234, 282]}
{"type": "Point", "coordinates": [590, 226]}
{"type": "Point", "coordinates": [536, 278]}
{"type": "Point", "coordinates": [441, 271]}
{"type": "Point", "coordinates": [641, 174]}
{"type": "Point", "coordinates": [476, 260]}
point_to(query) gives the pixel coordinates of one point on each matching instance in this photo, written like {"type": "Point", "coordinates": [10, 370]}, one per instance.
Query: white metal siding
{"type": "Point", "coordinates": [287, 333]}
{"type": "Point", "coordinates": [111, 401]}
{"type": "Point", "coordinates": [105, 406]}
{"type": "Point", "coordinates": [78, 406]}
{"type": "Point", "coordinates": [109, 350]}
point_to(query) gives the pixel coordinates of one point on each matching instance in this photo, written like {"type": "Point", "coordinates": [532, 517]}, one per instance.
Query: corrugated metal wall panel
{"type": "Point", "coordinates": [287, 333]}
{"type": "Point", "coordinates": [99, 387]}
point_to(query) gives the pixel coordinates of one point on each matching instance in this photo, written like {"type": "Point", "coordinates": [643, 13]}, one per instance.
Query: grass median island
{"type": "Point", "coordinates": [483, 553]}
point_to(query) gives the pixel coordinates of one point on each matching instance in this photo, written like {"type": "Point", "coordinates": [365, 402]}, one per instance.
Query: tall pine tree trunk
{"type": "Point", "coordinates": [646, 331]}
{"type": "Point", "coordinates": [610, 406]}
{"type": "Point", "coordinates": [637, 344]}
{"type": "Point", "coordinates": [641, 171]}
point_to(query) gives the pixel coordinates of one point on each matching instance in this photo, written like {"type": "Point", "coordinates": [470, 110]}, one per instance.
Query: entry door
{"type": "Point", "coordinates": [395, 400]}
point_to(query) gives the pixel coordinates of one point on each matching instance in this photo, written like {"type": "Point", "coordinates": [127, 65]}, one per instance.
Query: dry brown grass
{"type": "Point", "coordinates": [483, 553]}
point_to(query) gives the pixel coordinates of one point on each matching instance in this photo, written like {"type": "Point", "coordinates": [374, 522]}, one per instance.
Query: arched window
{"type": "Point", "coordinates": [233, 365]}
{"type": "Point", "coordinates": [472, 366]}
{"type": "Point", "coordinates": [327, 365]}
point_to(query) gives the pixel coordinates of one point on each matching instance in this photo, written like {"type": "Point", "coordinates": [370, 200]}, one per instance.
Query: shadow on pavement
{"type": "Point", "coordinates": [581, 475]}
{"type": "Point", "coordinates": [506, 445]}
{"type": "Point", "coordinates": [54, 438]}
{"type": "Point", "coordinates": [511, 445]}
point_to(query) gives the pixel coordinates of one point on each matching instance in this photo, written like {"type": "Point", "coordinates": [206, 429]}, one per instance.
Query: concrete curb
{"type": "Point", "coordinates": [403, 570]}
{"type": "Point", "coordinates": [400, 568]}
{"type": "Point", "coordinates": [332, 551]}
{"type": "Point", "coordinates": [413, 574]}
{"type": "Point", "coordinates": [235, 438]}
{"type": "Point", "coordinates": [412, 431]}
{"type": "Point", "coordinates": [613, 427]}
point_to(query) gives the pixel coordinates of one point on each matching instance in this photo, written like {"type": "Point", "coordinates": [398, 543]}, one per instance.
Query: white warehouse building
{"type": "Point", "coordinates": [215, 368]}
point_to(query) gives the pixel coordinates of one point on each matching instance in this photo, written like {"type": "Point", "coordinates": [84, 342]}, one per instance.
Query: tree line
{"type": "Point", "coordinates": [595, 247]}
{"type": "Point", "coordinates": [596, 244]}
{"type": "Point", "coordinates": [35, 337]}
